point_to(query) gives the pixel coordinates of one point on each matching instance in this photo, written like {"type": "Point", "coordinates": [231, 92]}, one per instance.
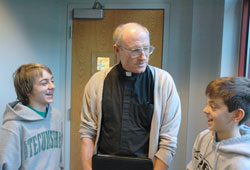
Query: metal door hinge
{"type": "Point", "coordinates": [69, 114]}
{"type": "Point", "coordinates": [70, 31]}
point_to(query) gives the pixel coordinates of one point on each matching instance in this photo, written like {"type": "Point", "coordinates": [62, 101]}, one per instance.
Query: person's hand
{"type": "Point", "coordinates": [160, 165]}
{"type": "Point", "coordinates": [87, 148]}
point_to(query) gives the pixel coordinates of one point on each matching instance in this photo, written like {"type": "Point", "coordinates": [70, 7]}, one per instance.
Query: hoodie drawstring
{"type": "Point", "coordinates": [215, 155]}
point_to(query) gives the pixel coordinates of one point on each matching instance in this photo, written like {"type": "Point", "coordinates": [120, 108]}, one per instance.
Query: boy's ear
{"type": "Point", "coordinates": [238, 115]}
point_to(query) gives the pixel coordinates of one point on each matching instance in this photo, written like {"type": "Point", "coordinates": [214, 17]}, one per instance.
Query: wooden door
{"type": "Point", "coordinates": [95, 36]}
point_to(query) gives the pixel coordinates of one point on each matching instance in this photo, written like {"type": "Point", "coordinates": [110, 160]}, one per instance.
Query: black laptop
{"type": "Point", "coordinates": [111, 162]}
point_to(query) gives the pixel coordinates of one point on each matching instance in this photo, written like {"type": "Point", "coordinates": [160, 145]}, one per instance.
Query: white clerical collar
{"type": "Point", "coordinates": [128, 74]}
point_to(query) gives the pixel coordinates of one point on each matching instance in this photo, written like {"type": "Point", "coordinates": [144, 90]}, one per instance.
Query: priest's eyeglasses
{"type": "Point", "coordinates": [136, 52]}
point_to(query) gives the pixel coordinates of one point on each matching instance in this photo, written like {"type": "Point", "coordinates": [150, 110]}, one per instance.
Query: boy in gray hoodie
{"type": "Point", "coordinates": [31, 133]}
{"type": "Point", "coordinates": [225, 145]}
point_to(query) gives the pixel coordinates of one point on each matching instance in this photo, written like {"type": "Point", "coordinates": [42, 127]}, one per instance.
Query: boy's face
{"type": "Point", "coordinates": [220, 119]}
{"type": "Point", "coordinates": [42, 92]}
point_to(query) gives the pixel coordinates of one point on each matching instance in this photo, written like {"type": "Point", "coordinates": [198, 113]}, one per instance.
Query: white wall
{"type": "Point", "coordinates": [32, 31]}
{"type": "Point", "coordinates": [231, 38]}
{"type": "Point", "coordinates": [205, 62]}
{"type": "Point", "coordinates": [178, 65]}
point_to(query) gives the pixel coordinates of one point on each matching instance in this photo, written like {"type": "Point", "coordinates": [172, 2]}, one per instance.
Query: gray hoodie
{"type": "Point", "coordinates": [229, 154]}
{"type": "Point", "coordinates": [29, 141]}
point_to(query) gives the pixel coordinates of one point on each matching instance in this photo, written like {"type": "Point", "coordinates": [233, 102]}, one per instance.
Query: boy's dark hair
{"type": "Point", "coordinates": [235, 92]}
{"type": "Point", "coordinates": [24, 78]}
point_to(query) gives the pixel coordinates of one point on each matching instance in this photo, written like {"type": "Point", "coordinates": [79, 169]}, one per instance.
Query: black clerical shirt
{"type": "Point", "coordinates": [127, 109]}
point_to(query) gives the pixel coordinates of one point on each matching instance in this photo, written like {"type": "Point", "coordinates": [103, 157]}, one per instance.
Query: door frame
{"type": "Point", "coordinates": [129, 5]}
